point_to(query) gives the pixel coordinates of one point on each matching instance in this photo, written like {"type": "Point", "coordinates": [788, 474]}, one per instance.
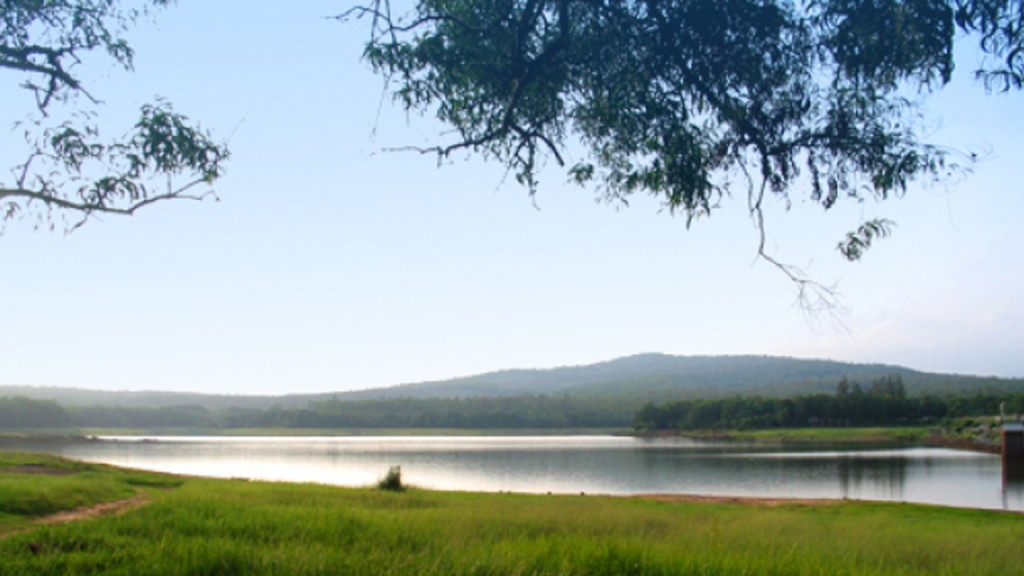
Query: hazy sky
{"type": "Point", "coordinates": [330, 264]}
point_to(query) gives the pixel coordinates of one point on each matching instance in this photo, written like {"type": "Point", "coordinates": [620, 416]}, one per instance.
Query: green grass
{"type": "Point", "coordinates": [232, 527]}
{"type": "Point", "coordinates": [34, 485]}
{"type": "Point", "coordinates": [880, 433]}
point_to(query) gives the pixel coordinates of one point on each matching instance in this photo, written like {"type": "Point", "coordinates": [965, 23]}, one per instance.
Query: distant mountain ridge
{"type": "Point", "coordinates": [663, 376]}
{"type": "Point", "coordinates": [655, 377]}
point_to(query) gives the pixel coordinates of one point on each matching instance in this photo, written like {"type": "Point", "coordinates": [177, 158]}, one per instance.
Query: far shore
{"type": "Point", "coordinates": [924, 435]}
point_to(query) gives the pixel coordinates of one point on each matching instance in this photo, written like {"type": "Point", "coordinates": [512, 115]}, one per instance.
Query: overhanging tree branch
{"type": "Point", "coordinates": [88, 209]}
{"type": "Point", "coordinates": [67, 169]}
{"type": "Point", "coordinates": [672, 96]}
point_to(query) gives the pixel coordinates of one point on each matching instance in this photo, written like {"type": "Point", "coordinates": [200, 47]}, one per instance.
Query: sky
{"type": "Point", "coordinates": [331, 263]}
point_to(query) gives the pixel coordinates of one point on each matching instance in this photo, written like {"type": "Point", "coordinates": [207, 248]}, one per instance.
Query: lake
{"type": "Point", "coordinates": [574, 464]}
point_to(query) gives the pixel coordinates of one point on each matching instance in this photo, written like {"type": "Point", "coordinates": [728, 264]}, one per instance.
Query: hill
{"type": "Point", "coordinates": [654, 377]}
{"type": "Point", "coordinates": [660, 376]}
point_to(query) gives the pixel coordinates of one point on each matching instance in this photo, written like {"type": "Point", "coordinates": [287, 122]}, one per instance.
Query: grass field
{"type": "Point", "coordinates": [34, 485]}
{"type": "Point", "coordinates": [218, 527]}
{"type": "Point", "coordinates": [874, 434]}
{"type": "Point", "coordinates": [837, 434]}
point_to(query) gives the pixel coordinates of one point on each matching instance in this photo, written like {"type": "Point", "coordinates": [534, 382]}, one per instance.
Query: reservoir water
{"type": "Point", "coordinates": [574, 464]}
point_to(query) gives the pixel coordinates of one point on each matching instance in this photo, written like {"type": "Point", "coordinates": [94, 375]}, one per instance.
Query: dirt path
{"type": "Point", "coordinates": [86, 512]}
{"type": "Point", "coordinates": [101, 509]}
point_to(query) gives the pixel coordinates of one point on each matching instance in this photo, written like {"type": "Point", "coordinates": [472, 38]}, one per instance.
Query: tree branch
{"type": "Point", "coordinates": [90, 208]}
{"type": "Point", "coordinates": [813, 298]}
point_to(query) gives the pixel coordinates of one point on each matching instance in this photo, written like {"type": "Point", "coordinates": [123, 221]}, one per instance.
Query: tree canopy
{"type": "Point", "coordinates": [687, 99]}
{"type": "Point", "coordinates": [68, 167]}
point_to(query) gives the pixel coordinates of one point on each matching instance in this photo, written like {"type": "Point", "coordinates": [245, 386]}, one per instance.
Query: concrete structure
{"type": "Point", "coordinates": [1013, 451]}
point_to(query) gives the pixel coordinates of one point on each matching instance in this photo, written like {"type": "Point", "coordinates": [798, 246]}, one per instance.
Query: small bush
{"type": "Point", "coordinates": [393, 480]}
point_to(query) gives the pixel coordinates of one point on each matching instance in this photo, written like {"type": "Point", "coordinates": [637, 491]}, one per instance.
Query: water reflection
{"type": "Point", "coordinates": [592, 464]}
{"type": "Point", "coordinates": [887, 475]}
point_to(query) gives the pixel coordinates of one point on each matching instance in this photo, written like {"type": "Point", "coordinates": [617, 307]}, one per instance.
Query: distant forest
{"type": "Point", "coordinates": [883, 402]}
{"type": "Point", "coordinates": [522, 412]}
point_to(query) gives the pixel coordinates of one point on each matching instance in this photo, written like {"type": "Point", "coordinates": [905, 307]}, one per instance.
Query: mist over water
{"type": "Point", "coordinates": [574, 464]}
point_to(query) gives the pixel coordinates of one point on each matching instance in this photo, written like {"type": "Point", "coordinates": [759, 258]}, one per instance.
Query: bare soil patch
{"type": "Point", "coordinates": [86, 512]}
{"type": "Point", "coordinates": [101, 509]}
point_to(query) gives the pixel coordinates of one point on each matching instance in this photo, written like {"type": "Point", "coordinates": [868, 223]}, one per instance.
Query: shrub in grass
{"type": "Point", "coordinates": [392, 481]}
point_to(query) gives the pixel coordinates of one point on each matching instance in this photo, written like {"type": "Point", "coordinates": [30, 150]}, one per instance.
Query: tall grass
{"type": "Point", "coordinates": [233, 527]}
{"type": "Point", "coordinates": [34, 485]}
{"type": "Point", "coordinates": [44, 485]}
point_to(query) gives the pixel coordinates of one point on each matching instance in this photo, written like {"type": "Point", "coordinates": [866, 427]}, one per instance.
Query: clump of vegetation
{"type": "Point", "coordinates": [392, 480]}
{"type": "Point", "coordinates": [980, 433]}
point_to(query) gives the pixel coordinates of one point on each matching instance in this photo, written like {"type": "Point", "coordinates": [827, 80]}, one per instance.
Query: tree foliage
{"type": "Point", "coordinates": [884, 402]}
{"type": "Point", "coordinates": [856, 242]}
{"type": "Point", "coordinates": [684, 99]}
{"type": "Point", "coordinates": [68, 167]}
{"type": "Point", "coordinates": [19, 412]}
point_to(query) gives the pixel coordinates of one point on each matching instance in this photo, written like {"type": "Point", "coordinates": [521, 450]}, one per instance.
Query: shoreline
{"type": "Point", "coordinates": [779, 501]}
{"type": "Point", "coordinates": [964, 444]}
{"type": "Point", "coordinates": [927, 437]}
{"type": "Point", "coordinates": [766, 501]}
{"type": "Point", "coordinates": [866, 435]}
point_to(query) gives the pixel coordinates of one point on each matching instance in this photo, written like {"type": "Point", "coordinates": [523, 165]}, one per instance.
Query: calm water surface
{"type": "Point", "coordinates": [573, 464]}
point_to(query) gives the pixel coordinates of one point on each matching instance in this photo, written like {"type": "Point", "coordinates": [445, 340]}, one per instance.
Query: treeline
{"type": "Point", "coordinates": [884, 402]}
{"type": "Point", "coordinates": [19, 412]}
{"type": "Point", "coordinates": [535, 411]}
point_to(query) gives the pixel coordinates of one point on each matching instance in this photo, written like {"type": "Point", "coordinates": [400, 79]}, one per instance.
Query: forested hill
{"type": "Point", "coordinates": [646, 377]}
{"type": "Point", "coordinates": [660, 376]}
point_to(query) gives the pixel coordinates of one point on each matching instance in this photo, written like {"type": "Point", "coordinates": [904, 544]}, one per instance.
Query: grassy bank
{"type": "Point", "coordinates": [977, 438]}
{"type": "Point", "coordinates": [35, 485]}
{"type": "Point", "coordinates": [870, 434]}
{"type": "Point", "coordinates": [866, 434]}
{"type": "Point", "coordinates": [197, 526]}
